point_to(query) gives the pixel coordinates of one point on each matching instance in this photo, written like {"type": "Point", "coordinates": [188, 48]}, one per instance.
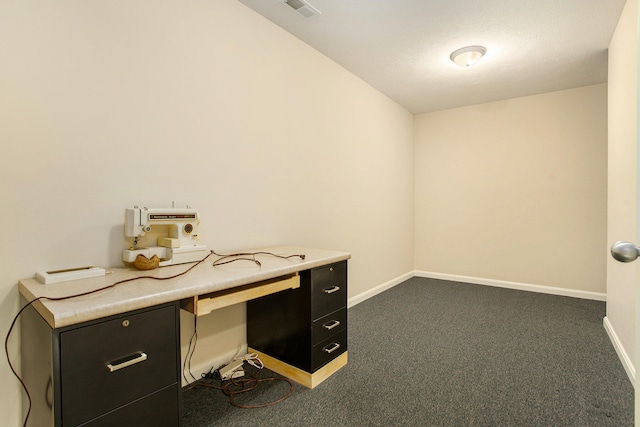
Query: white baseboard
{"type": "Point", "coordinates": [597, 296]}
{"type": "Point", "coordinates": [622, 354]}
{"type": "Point", "coordinates": [515, 285]}
{"type": "Point", "coordinates": [379, 289]}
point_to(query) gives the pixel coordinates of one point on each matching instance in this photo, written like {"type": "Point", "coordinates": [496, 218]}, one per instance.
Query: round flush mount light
{"type": "Point", "coordinates": [468, 56]}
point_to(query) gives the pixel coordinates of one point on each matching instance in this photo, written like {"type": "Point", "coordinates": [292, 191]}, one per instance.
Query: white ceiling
{"type": "Point", "coordinates": [402, 47]}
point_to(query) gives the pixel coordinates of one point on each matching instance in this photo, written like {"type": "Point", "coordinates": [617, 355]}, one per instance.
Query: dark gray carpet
{"type": "Point", "coordinates": [436, 353]}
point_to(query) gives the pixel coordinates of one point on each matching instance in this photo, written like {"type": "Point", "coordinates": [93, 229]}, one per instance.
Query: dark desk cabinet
{"type": "Point", "coordinates": [121, 370]}
{"type": "Point", "coordinates": [304, 327]}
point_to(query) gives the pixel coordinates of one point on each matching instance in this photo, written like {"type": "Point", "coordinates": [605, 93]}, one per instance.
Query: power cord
{"type": "Point", "coordinates": [193, 341]}
{"type": "Point", "coordinates": [243, 256]}
{"type": "Point", "coordinates": [234, 387]}
{"type": "Point", "coordinates": [211, 375]}
{"type": "Point", "coordinates": [252, 359]}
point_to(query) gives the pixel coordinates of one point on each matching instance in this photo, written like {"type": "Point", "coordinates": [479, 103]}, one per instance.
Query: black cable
{"type": "Point", "coordinates": [187, 359]}
{"type": "Point", "coordinates": [241, 256]}
{"type": "Point", "coordinates": [15, 319]}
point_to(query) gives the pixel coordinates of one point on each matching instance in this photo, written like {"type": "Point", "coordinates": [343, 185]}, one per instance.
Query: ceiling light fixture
{"type": "Point", "coordinates": [468, 56]}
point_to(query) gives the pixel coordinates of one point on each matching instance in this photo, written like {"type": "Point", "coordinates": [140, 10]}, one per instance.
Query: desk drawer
{"type": "Point", "coordinates": [328, 325]}
{"type": "Point", "coordinates": [328, 289]}
{"type": "Point", "coordinates": [160, 409]}
{"type": "Point", "coordinates": [329, 349]}
{"type": "Point", "coordinates": [107, 364]}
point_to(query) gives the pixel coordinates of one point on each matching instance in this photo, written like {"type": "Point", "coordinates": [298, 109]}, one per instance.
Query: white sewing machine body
{"type": "Point", "coordinates": [178, 247]}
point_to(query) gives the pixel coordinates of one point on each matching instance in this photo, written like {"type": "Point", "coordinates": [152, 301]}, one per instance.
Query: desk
{"type": "Point", "coordinates": [54, 331]}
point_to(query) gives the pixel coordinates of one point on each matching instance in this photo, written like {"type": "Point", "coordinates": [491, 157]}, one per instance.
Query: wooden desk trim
{"type": "Point", "coordinates": [201, 305]}
{"type": "Point", "coordinates": [307, 379]}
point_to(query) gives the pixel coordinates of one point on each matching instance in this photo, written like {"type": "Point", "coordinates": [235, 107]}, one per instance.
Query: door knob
{"type": "Point", "coordinates": [625, 251]}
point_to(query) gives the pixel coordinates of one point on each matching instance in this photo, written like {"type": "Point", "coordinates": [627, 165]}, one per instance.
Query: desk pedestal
{"type": "Point", "coordinates": [301, 333]}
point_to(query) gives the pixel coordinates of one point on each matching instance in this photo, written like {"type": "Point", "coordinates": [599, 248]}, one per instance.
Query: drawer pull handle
{"type": "Point", "coordinates": [332, 347]}
{"type": "Point", "coordinates": [330, 325]}
{"type": "Point", "coordinates": [331, 289]}
{"type": "Point", "coordinates": [119, 364]}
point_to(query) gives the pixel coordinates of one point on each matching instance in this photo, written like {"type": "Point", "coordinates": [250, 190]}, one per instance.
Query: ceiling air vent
{"type": "Point", "coordinates": [303, 8]}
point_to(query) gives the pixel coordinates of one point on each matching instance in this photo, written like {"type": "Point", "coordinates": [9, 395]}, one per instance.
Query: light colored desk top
{"type": "Point", "coordinates": [145, 292]}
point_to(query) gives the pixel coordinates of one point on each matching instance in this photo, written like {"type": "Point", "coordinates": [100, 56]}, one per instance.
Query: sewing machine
{"type": "Point", "coordinates": [178, 245]}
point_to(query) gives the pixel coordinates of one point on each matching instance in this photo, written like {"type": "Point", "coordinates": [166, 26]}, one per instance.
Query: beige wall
{"type": "Point", "coordinates": [515, 190]}
{"type": "Point", "coordinates": [109, 104]}
{"type": "Point", "coordinates": [623, 279]}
